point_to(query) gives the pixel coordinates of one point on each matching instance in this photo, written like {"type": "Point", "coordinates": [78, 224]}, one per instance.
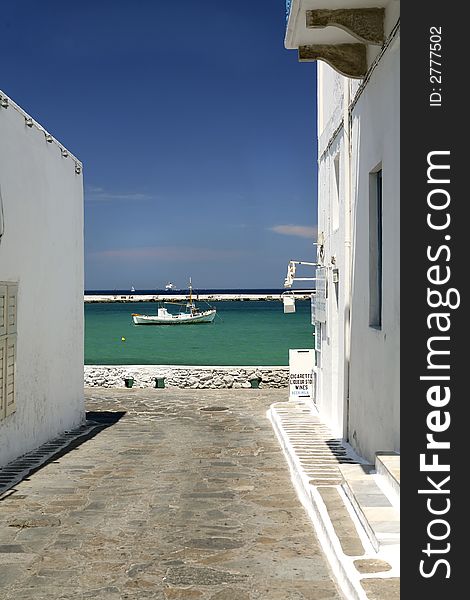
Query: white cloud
{"type": "Point", "coordinates": [169, 253]}
{"type": "Point", "coordinates": [99, 194]}
{"type": "Point", "coordinates": [296, 230]}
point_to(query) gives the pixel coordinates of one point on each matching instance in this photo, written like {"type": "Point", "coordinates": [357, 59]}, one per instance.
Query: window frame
{"type": "Point", "coordinates": [376, 247]}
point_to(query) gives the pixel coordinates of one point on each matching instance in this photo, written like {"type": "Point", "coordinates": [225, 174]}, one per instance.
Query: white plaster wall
{"type": "Point", "coordinates": [374, 373]}
{"type": "Point", "coordinates": [371, 423]}
{"type": "Point", "coordinates": [331, 376]}
{"type": "Point", "coordinates": [330, 95]}
{"type": "Point", "coordinates": [42, 250]}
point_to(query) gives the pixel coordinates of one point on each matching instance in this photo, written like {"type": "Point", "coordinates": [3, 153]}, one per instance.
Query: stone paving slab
{"type": "Point", "coordinates": [344, 527]}
{"type": "Point", "coordinates": [168, 502]}
{"type": "Point", "coordinates": [382, 589]}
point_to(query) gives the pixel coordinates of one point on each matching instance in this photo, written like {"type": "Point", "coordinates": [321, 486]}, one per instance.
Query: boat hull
{"type": "Point", "coordinates": [181, 319]}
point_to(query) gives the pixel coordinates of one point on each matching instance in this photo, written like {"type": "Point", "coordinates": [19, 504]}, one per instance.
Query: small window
{"type": "Point", "coordinates": [375, 248]}
{"type": "Point", "coordinates": [335, 193]}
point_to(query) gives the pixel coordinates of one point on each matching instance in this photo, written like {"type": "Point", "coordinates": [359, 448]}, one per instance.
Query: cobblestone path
{"type": "Point", "coordinates": [169, 502]}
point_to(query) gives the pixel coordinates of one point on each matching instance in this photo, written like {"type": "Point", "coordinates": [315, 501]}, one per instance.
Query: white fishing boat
{"type": "Point", "coordinates": [169, 286]}
{"type": "Point", "coordinates": [191, 314]}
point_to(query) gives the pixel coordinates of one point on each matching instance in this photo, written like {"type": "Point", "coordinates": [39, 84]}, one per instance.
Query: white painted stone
{"type": "Point", "coordinates": [185, 377]}
{"type": "Point", "coordinates": [42, 250]}
{"type": "Point", "coordinates": [372, 398]}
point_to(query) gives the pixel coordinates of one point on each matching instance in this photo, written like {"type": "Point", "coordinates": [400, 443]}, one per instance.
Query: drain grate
{"type": "Point", "coordinates": [214, 408]}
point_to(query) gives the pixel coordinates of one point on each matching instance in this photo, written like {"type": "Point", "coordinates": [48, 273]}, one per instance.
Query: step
{"type": "Point", "coordinates": [387, 465]}
{"type": "Point", "coordinates": [343, 525]}
{"type": "Point", "coordinates": [382, 589]}
{"type": "Point", "coordinates": [361, 571]}
{"type": "Point", "coordinates": [379, 518]}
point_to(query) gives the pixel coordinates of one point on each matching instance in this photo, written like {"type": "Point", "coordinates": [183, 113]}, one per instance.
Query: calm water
{"type": "Point", "coordinates": [243, 333]}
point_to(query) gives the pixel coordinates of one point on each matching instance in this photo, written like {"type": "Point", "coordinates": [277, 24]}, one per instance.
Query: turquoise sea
{"type": "Point", "coordinates": [243, 333]}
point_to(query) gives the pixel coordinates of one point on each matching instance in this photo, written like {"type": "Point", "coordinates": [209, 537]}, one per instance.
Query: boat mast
{"type": "Point", "coordinates": [190, 292]}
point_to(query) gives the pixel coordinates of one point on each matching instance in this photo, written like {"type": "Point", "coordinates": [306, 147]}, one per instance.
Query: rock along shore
{"type": "Point", "coordinates": [194, 377]}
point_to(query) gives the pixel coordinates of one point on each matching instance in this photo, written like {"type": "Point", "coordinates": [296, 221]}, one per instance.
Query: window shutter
{"type": "Point", "coordinates": [8, 324]}
{"type": "Point", "coordinates": [3, 309]}
{"type": "Point", "coordinates": [10, 375]}
{"type": "Point", "coordinates": [12, 303]}
{"type": "Point", "coordinates": [3, 346]}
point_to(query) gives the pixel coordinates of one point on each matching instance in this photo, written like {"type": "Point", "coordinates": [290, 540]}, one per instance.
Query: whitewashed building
{"type": "Point", "coordinates": [357, 45]}
{"type": "Point", "coordinates": [41, 285]}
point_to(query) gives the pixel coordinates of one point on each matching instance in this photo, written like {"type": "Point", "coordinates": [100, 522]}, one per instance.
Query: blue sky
{"type": "Point", "coordinates": [195, 126]}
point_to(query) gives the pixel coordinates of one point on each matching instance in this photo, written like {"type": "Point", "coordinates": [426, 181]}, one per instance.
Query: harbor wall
{"type": "Point", "coordinates": [194, 377]}
{"type": "Point", "coordinates": [88, 298]}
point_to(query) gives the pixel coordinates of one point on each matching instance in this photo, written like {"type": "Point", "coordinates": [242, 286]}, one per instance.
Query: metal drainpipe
{"type": "Point", "coordinates": [347, 253]}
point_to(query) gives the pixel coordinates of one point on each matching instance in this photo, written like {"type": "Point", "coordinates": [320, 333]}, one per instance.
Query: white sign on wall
{"type": "Point", "coordinates": [301, 365]}
{"type": "Point", "coordinates": [320, 295]}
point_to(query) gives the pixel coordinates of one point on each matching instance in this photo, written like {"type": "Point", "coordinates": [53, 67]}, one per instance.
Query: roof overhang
{"type": "Point", "coordinates": [298, 34]}
{"type": "Point", "coordinates": [339, 34]}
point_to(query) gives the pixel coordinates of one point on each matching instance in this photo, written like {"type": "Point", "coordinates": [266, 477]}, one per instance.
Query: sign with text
{"type": "Point", "coordinates": [301, 365]}
{"type": "Point", "coordinates": [319, 312]}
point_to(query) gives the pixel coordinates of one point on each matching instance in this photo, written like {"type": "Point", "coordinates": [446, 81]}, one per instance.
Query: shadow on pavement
{"type": "Point", "coordinates": [26, 465]}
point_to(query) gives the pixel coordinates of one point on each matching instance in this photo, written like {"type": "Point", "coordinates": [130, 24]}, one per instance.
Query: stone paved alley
{"type": "Point", "coordinates": [168, 502]}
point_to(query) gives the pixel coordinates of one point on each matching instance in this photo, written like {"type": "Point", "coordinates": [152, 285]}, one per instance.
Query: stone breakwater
{"type": "Point", "coordinates": [89, 298]}
{"type": "Point", "coordinates": [194, 377]}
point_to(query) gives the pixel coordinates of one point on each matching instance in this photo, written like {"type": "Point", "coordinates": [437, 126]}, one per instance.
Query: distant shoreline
{"type": "Point", "coordinates": [89, 298]}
